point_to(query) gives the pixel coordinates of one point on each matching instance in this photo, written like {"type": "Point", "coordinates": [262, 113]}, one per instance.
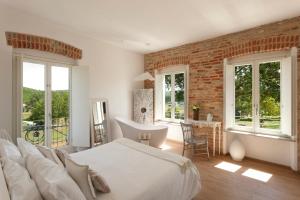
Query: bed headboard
{"type": "Point", "coordinates": [3, 187]}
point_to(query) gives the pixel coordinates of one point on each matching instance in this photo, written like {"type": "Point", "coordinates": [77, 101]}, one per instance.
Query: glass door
{"type": "Point", "coordinates": [33, 103]}
{"type": "Point", "coordinates": [45, 97]}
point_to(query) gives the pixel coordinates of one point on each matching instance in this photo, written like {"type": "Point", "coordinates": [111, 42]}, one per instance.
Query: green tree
{"type": "Point", "coordinates": [269, 89]}
{"type": "Point", "coordinates": [243, 90]}
{"type": "Point", "coordinates": [60, 104]}
{"type": "Point", "coordinates": [270, 107]}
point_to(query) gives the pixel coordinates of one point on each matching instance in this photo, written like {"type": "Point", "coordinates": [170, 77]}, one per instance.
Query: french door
{"type": "Point", "coordinates": [45, 103]}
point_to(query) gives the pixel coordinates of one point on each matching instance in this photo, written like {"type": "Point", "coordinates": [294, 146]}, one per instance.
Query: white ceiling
{"type": "Point", "coordinates": [150, 25]}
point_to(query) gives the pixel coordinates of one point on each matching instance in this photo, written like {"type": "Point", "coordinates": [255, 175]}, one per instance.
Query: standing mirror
{"type": "Point", "coordinates": [100, 129]}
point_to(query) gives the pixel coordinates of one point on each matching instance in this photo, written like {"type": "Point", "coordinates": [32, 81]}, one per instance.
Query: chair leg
{"type": "Point", "coordinates": [183, 148]}
{"type": "Point", "coordinates": [207, 150]}
{"type": "Point", "coordinates": [194, 147]}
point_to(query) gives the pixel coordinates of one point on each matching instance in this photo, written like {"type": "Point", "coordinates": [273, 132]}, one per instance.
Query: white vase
{"type": "Point", "coordinates": [209, 117]}
{"type": "Point", "coordinates": [237, 150]}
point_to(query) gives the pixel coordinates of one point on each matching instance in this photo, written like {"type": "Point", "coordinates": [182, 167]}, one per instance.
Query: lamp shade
{"type": "Point", "coordinates": [144, 76]}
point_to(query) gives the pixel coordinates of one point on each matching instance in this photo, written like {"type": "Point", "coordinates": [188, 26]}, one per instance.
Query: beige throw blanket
{"type": "Point", "coordinates": [183, 162]}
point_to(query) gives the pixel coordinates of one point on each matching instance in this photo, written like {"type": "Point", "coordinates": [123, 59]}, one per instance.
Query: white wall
{"type": "Point", "coordinates": [112, 69]}
{"type": "Point", "coordinates": [277, 151]}
{"type": "Point", "coordinates": [267, 149]}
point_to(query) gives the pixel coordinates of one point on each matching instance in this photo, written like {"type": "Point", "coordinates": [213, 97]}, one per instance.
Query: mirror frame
{"type": "Point", "coordinates": [92, 131]}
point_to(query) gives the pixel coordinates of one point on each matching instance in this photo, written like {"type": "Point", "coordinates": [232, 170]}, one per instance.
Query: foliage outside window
{"type": "Point", "coordinates": [258, 94]}
{"type": "Point", "coordinates": [268, 95]}
{"type": "Point", "coordinates": [174, 102]}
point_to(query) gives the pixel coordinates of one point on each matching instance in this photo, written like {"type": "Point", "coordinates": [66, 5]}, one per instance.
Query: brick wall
{"type": "Point", "coordinates": [26, 41]}
{"type": "Point", "coordinates": [205, 59]}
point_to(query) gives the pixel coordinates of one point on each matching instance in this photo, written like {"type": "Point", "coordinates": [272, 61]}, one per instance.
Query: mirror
{"type": "Point", "coordinates": [99, 122]}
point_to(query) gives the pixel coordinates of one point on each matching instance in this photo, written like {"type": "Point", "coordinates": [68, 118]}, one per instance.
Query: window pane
{"type": "Point", "coordinates": [179, 96]}
{"type": "Point", "coordinates": [269, 86]}
{"type": "Point", "coordinates": [60, 105]}
{"type": "Point", "coordinates": [33, 115]}
{"type": "Point", "coordinates": [243, 95]}
{"type": "Point", "coordinates": [168, 103]}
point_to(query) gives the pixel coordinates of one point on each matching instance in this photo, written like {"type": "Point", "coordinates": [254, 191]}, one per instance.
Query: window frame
{"type": "Point", "coordinates": [255, 61]}
{"type": "Point", "coordinates": [24, 55]}
{"type": "Point", "coordinates": [160, 92]}
{"type": "Point", "coordinates": [173, 100]}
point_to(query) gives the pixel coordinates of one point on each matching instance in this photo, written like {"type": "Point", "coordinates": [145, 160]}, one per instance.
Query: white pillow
{"type": "Point", "coordinates": [5, 135]}
{"type": "Point", "coordinates": [80, 174]}
{"type": "Point", "coordinates": [9, 150]}
{"type": "Point", "coordinates": [19, 183]}
{"type": "Point", "coordinates": [27, 148]}
{"type": "Point", "coordinates": [62, 155]}
{"type": "Point", "coordinates": [53, 182]}
{"type": "Point", "coordinates": [50, 154]}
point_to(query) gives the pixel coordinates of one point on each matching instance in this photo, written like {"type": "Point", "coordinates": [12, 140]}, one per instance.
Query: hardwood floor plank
{"type": "Point", "coordinates": [220, 184]}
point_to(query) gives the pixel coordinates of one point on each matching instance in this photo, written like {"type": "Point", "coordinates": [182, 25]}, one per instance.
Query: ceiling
{"type": "Point", "coordinates": [150, 25]}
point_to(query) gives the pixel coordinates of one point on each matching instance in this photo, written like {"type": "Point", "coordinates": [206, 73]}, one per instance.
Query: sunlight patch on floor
{"type": "Point", "coordinates": [165, 147]}
{"type": "Point", "coordinates": [257, 175]}
{"type": "Point", "coordinates": [230, 167]}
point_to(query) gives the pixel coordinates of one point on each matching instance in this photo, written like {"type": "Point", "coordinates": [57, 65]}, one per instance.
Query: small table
{"type": "Point", "coordinates": [213, 125]}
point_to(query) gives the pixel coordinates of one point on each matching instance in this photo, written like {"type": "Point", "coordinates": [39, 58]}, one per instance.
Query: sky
{"type": "Point", "coordinates": [34, 77]}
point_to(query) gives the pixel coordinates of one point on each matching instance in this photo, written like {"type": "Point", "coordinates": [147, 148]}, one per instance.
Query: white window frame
{"type": "Point", "coordinates": [160, 93]}
{"type": "Point", "coordinates": [286, 130]}
{"type": "Point", "coordinates": [48, 60]}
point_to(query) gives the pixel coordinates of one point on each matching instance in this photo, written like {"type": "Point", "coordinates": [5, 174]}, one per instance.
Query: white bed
{"type": "Point", "coordinates": [136, 172]}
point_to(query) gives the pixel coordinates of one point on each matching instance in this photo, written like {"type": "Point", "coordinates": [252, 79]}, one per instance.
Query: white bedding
{"type": "Point", "coordinates": [136, 175]}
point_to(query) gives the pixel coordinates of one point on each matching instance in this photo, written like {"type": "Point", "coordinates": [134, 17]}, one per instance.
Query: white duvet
{"type": "Point", "coordinates": [134, 174]}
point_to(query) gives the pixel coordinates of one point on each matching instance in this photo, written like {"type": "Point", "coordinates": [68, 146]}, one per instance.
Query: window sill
{"type": "Point", "coordinates": [167, 122]}
{"type": "Point", "coordinates": [275, 137]}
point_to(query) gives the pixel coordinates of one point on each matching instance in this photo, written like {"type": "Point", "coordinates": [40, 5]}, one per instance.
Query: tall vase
{"type": "Point", "coordinates": [237, 150]}
{"type": "Point", "coordinates": [196, 114]}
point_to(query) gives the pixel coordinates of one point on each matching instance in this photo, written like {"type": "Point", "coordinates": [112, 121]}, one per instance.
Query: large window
{"type": "Point", "coordinates": [170, 94]}
{"type": "Point", "coordinates": [45, 103]}
{"type": "Point", "coordinates": [259, 94]}
{"type": "Point", "coordinates": [174, 96]}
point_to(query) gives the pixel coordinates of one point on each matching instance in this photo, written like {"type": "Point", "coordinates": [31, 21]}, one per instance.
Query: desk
{"type": "Point", "coordinates": [214, 125]}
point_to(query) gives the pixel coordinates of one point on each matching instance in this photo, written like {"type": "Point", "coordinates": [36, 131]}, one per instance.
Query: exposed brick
{"type": "Point", "coordinates": [26, 41]}
{"type": "Point", "coordinates": [205, 59]}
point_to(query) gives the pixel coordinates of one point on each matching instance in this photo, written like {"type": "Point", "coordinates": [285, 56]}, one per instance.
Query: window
{"type": "Point", "coordinates": [174, 96]}
{"type": "Point", "coordinates": [258, 95]}
{"type": "Point", "coordinates": [170, 94]}
{"type": "Point", "coordinates": [46, 97]}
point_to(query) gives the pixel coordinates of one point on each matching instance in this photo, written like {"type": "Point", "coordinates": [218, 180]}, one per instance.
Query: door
{"type": "Point", "coordinates": [45, 103]}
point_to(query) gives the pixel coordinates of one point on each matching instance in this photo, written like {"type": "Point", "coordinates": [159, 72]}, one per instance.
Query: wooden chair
{"type": "Point", "coordinates": [190, 141]}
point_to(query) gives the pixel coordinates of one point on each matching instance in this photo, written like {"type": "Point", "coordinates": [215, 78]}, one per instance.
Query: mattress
{"type": "Point", "coordinates": [134, 174]}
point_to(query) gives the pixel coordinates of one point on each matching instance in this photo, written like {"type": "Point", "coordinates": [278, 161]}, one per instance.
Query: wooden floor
{"type": "Point", "coordinates": [219, 184]}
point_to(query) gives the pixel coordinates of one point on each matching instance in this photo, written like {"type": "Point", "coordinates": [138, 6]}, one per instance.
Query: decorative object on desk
{"type": "Point", "coordinates": [196, 109]}
{"type": "Point", "coordinates": [237, 150]}
{"type": "Point", "coordinates": [209, 117]}
{"type": "Point", "coordinates": [143, 106]}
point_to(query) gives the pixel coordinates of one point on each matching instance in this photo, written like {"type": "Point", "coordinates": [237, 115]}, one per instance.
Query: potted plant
{"type": "Point", "coordinates": [196, 109]}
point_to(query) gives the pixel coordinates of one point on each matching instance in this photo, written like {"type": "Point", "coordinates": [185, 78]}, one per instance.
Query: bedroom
{"type": "Point", "coordinates": [191, 55]}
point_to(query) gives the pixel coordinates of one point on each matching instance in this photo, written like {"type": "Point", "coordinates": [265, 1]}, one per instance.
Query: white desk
{"type": "Point", "coordinates": [214, 125]}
